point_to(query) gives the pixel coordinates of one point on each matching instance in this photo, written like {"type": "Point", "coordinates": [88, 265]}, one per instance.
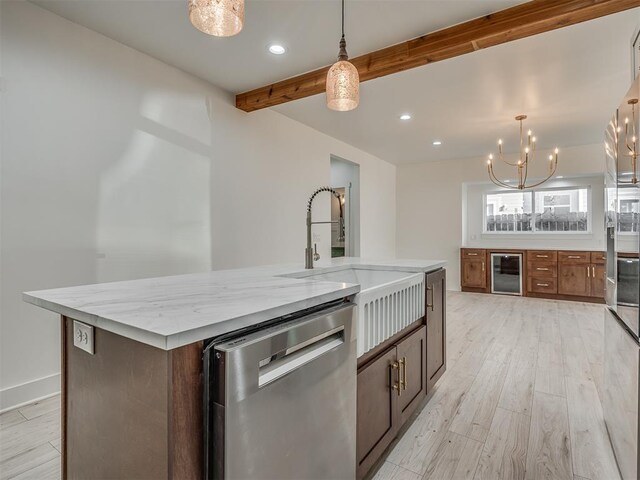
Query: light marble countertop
{"type": "Point", "coordinates": [169, 312]}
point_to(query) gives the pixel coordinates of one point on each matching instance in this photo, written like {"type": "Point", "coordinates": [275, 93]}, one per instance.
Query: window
{"type": "Point", "coordinates": [562, 210]}
{"type": "Point", "coordinates": [508, 212]}
{"type": "Point", "coordinates": [629, 209]}
{"type": "Point", "coordinates": [539, 211]}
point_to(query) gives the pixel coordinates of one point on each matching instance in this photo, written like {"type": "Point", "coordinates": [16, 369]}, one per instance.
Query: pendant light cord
{"type": "Point", "coordinates": [343, 18]}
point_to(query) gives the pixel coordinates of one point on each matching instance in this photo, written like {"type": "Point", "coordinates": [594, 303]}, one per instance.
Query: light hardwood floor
{"type": "Point", "coordinates": [519, 401]}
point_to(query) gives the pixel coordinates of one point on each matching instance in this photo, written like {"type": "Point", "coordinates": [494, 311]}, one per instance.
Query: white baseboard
{"type": "Point", "coordinates": [29, 392]}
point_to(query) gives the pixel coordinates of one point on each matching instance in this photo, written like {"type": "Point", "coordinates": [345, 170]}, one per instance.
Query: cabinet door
{"type": "Point", "coordinates": [574, 280]}
{"type": "Point", "coordinates": [377, 410]}
{"type": "Point", "coordinates": [412, 360]}
{"type": "Point", "coordinates": [436, 326]}
{"type": "Point", "coordinates": [598, 280]}
{"type": "Point", "coordinates": [474, 273]}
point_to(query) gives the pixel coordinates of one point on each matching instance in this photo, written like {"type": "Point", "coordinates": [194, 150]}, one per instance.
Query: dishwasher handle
{"type": "Point", "coordinates": [276, 366]}
{"type": "Point", "coordinates": [248, 363]}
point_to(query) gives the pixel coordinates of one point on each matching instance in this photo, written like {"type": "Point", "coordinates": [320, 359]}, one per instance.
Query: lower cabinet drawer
{"type": "Point", "coordinates": [542, 270]}
{"type": "Point", "coordinates": [574, 258]}
{"type": "Point", "coordinates": [542, 285]}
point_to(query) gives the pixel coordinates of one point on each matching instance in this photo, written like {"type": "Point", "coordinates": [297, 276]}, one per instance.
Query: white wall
{"type": "Point", "coordinates": [432, 205]}
{"type": "Point", "coordinates": [117, 166]}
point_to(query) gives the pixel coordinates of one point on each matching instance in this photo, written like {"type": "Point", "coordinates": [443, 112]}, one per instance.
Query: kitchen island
{"type": "Point", "coordinates": [132, 356]}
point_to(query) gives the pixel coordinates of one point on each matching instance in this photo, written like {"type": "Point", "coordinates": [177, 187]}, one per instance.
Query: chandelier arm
{"type": "Point", "coordinates": [510, 164]}
{"type": "Point", "coordinates": [494, 179]}
{"type": "Point", "coordinates": [555, 166]}
{"type": "Point", "coordinates": [501, 156]}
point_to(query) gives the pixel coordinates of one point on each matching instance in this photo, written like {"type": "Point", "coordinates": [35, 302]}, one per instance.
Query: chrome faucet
{"type": "Point", "coordinates": [311, 255]}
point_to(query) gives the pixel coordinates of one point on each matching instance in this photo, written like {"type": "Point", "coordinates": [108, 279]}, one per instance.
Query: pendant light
{"type": "Point", "coordinates": [343, 81]}
{"type": "Point", "coordinates": [221, 18]}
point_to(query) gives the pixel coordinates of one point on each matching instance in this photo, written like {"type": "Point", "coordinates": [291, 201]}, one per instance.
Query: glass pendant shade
{"type": "Point", "coordinates": [343, 82]}
{"type": "Point", "coordinates": [343, 86]}
{"type": "Point", "coordinates": [221, 18]}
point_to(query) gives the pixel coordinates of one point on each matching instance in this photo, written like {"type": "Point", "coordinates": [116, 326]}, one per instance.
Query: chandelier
{"type": "Point", "coordinates": [526, 155]}
{"type": "Point", "coordinates": [220, 18]}
{"type": "Point", "coordinates": [343, 81]}
{"type": "Point", "coordinates": [632, 147]}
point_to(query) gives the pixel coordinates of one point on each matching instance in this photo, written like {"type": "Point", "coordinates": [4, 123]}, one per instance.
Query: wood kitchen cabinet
{"type": "Point", "coordinates": [473, 264]}
{"type": "Point", "coordinates": [574, 280]}
{"type": "Point", "coordinates": [390, 388]}
{"type": "Point", "coordinates": [436, 327]}
{"type": "Point", "coordinates": [581, 274]}
{"type": "Point", "coordinates": [555, 274]}
{"type": "Point", "coordinates": [377, 409]}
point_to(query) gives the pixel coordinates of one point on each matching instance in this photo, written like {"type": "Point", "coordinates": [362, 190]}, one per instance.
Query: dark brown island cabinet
{"type": "Point", "coordinates": [395, 377]}
{"type": "Point", "coordinates": [553, 274]}
{"type": "Point", "coordinates": [102, 392]}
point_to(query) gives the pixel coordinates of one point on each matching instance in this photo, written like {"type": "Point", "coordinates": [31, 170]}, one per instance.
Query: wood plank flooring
{"type": "Point", "coordinates": [519, 401]}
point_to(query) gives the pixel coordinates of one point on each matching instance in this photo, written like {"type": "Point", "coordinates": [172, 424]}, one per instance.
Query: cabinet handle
{"type": "Point", "coordinates": [574, 256]}
{"type": "Point", "coordinates": [430, 289]}
{"type": "Point", "coordinates": [588, 272]}
{"type": "Point", "coordinates": [396, 386]}
{"type": "Point", "coordinates": [403, 371]}
{"type": "Point", "coordinates": [542, 268]}
{"type": "Point", "coordinates": [542, 284]}
{"type": "Point", "coordinates": [593, 272]}
{"type": "Point", "coordinates": [542, 256]}
{"type": "Point", "coordinates": [483, 266]}
{"type": "Point", "coordinates": [472, 254]}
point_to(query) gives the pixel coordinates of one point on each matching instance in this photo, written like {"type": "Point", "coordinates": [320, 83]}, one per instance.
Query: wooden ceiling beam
{"type": "Point", "coordinates": [520, 21]}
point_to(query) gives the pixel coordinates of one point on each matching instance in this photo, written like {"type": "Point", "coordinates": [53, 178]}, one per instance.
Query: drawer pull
{"type": "Point", "coordinates": [574, 256]}
{"type": "Point", "coordinates": [472, 254]}
{"type": "Point", "coordinates": [542, 284]}
{"type": "Point", "coordinates": [544, 269]}
{"type": "Point", "coordinates": [542, 256]}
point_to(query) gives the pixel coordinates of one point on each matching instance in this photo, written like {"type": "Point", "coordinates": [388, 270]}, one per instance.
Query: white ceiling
{"type": "Point", "coordinates": [310, 29]}
{"type": "Point", "coordinates": [568, 81]}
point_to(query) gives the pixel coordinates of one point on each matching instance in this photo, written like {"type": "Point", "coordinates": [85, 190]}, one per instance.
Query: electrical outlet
{"type": "Point", "coordinates": [83, 336]}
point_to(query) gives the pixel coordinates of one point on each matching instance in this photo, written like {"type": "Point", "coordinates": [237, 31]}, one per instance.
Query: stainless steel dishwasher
{"type": "Point", "coordinates": [280, 402]}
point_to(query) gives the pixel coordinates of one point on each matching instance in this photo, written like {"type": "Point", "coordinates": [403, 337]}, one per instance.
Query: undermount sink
{"type": "Point", "coordinates": [389, 300]}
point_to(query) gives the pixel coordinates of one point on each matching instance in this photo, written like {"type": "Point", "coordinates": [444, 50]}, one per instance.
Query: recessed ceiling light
{"type": "Point", "coordinates": [405, 116]}
{"type": "Point", "coordinates": [437, 143]}
{"type": "Point", "coordinates": [277, 49]}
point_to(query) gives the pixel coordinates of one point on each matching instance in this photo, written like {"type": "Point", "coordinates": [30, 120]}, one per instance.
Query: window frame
{"type": "Point", "coordinates": [533, 230]}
